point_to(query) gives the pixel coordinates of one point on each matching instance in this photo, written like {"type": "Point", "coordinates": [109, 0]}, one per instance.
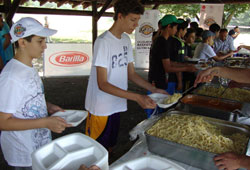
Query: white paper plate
{"type": "Point", "coordinates": [150, 162]}
{"type": "Point", "coordinates": [192, 59]}
{"type": "Point", "coordinates": [159, 99]}
{"type": "Point", "coordinates": [73, 117]}
{"type": "Point", "coordinates": [69, 152]}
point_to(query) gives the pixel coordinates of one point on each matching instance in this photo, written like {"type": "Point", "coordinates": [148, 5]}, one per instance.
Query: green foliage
{"type": "Point", "coordinates": [181, 10]}
{"type": "Point", "coordinates": [192, 11]}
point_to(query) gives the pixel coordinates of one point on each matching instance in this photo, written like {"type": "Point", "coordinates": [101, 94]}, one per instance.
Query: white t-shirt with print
{"type": "Point", "coordinates": [113, 54]}
{"type": "Point", "coordinates": [204, 51]}
{"type": "Point", "coordinates": [22, 95]}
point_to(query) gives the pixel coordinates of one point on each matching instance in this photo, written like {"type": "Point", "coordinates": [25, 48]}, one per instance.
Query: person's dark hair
{"type": "Point", "coordinates": [194, 25]}
{"type": "Point", "coordinates": [29, 38]}
{"type": "Point", "coordinates": [236, 27]}
{"type": "Point", "coordinates": [127, 7]}
{"type": "Point", "coordinates": [171, 25]}
{"type": "Point", "coordinates": [183, 25]}
{"type": "Point", "coordinates": [199, 32]}
{"type": "Point", "coordinates": [189, 31]}
{"type": "Point", "coordinates": [223, 30]}
{"type": "Point", "coordinates": [214, 28]}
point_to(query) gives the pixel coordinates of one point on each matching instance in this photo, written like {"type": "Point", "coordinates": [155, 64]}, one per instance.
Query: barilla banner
{"type": "Point", "coordinates": [211, 13]}
{"type": "Point", "coordinates": [143, 37]}
{"type": "Point", "coordinates": [67, 59]}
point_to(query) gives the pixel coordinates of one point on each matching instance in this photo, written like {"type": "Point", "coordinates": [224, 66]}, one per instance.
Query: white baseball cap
{"type": "Point", "coordinates": [29, 26]}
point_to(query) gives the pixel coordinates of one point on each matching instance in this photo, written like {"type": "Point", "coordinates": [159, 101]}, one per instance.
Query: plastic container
{"type": "Point", "coordinates": [69, 152]}
{"type": "Point", "coordinates": [150, 162]}
{"type": "Point", "coordinates": [73, 117]}
{"type": "Point", "coordinates": [159, 100]}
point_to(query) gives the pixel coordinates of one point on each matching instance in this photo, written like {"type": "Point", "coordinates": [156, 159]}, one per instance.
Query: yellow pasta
{"type": "Point", "coordinates": [173, 98]}
{"type": "Point", "coordinates": [195, 132]}
{"type": "Point", "coordinates": [237, 94]}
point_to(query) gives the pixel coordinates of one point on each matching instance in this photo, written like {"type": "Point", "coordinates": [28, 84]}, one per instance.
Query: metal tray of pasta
{"type": "Point", "coordinates": [209, 106]}
{"type": "Point", "coordinates": [195, 140]}
{"type": "Point", "coordinates": [214, 90]}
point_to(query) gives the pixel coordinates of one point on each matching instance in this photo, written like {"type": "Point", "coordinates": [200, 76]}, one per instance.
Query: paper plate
{"type": "Point", "coordinates": [69, 152]}
{"type": "Point", "coordinates": [159, 99]}
{"type": "Point", "coordinates": [73, 117]}
{"type": "Point", "coordinates": [193, 59]}
{"type": "Point", "coordinates": [150, 162]}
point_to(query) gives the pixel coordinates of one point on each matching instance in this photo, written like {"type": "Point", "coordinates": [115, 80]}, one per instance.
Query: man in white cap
{"type": "Point", "coordinates": [24, 112]}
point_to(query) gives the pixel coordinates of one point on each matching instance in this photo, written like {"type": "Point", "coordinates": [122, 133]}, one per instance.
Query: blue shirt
{"type": "Point", "coordinates": [204, 51]}
{"type": "Point", "coordinates": [9, 50]}
{"type": "Point", "coordinates": [223, 46]}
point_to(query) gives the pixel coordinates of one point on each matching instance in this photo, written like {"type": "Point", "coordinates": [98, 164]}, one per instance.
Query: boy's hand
{"type": "Point", "coordinates": [192, 68]}
{"type": "Point", "coordinates": [145, 102]}
{"type": "Point", "coordinates": [228, 161]}
{"type": "Point", "coordinates": [53, 108]}
{"type": "Point", "coordinates": [179, 87]}
{"type": "Point", "coordinates": [56, 124]}
{"type": "Point", "coordinates": [156, 90]}
{"type": "Point", "coordinates": [206, 76]}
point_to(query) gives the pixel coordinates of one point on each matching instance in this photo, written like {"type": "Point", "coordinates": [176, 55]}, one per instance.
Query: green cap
{"type": "Point", "coordinates": [169, 19]}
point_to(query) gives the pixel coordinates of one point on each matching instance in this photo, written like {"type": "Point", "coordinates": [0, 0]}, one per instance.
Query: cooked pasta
{"type": "Point", "coordinates": [173, 98]}
{"type": "Point", "coordinates": [195, 132]}
{"type": "Point", "coordinates": [237, 94]}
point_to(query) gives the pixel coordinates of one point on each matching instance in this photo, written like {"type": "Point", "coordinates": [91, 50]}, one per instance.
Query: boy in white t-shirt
{"type": "Point", "coordinates": [24, 117]}
{"type": "Point", "coordinates": [112, 67]}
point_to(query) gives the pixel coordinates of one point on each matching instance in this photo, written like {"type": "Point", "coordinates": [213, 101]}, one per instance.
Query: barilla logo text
{"type": "Point", "coordinates": [68, 58]}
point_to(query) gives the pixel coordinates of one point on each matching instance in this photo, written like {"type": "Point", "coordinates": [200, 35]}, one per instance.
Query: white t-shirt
{"type": "Point", "coordinates": [22, 95]}
{"type": "Point", "coordinates": [204, 51]}
{"type": "Point", "coordinates": [113, 54]}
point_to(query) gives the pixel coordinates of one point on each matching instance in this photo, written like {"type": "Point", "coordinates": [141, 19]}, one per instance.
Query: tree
{"type": "Point", "coordinates": [192, 11]}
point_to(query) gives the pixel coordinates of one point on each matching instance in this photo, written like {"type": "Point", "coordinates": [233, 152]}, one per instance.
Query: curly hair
{"type": "Point", "coordinates": [126, 7]}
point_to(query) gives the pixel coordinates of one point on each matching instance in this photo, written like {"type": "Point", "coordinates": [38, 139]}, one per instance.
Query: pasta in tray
{"type": "Point", "coordinates": [237, 94]}
{"type": "Point", "coordinates": [195, 132]}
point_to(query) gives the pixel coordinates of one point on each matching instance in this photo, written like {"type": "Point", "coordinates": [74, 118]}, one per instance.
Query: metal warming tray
{"type": "Point", "coordinates": [208, 85]}
{"type": "Point", "coordinates": [189, 155]}
{"type": "Point", "coordinates": [205, 106]}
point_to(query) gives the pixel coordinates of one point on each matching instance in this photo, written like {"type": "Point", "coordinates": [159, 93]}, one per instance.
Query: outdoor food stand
{"type": "Point", "coordinates": [197, 125]}
{"type": "Point", "coordinates": [216, 114]}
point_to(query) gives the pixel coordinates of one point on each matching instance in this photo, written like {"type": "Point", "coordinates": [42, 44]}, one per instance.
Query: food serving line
{"type": "Point", "coordinates": [217, 117]}
{"type": "Point", "coordinates": [226, 109]}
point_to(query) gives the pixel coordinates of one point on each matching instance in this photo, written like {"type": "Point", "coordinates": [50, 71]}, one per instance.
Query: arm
{"type": "Point", "coordinates": [10, 123]}
{"type": "Point", "coordinates": [104, 85]}
{"type": "Point", "coordinates": [231, 161]}
{"type": "Point", "coordinates": [175, 67]}
{"type": "Point", "coordinates": [1, 63]}
{"type": "Point", "coordinates": [53, 108]}
{"type": "Point", "coordinates": [7, 41]}
{"type": "Point", "coordinates": [179, 79]}
{"type": "Point", "coordinates": [222, 57]}
{"type": "Point", "coordinates": [236, 74]}
{"type": "Point", "coordinates": [244, 46]}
